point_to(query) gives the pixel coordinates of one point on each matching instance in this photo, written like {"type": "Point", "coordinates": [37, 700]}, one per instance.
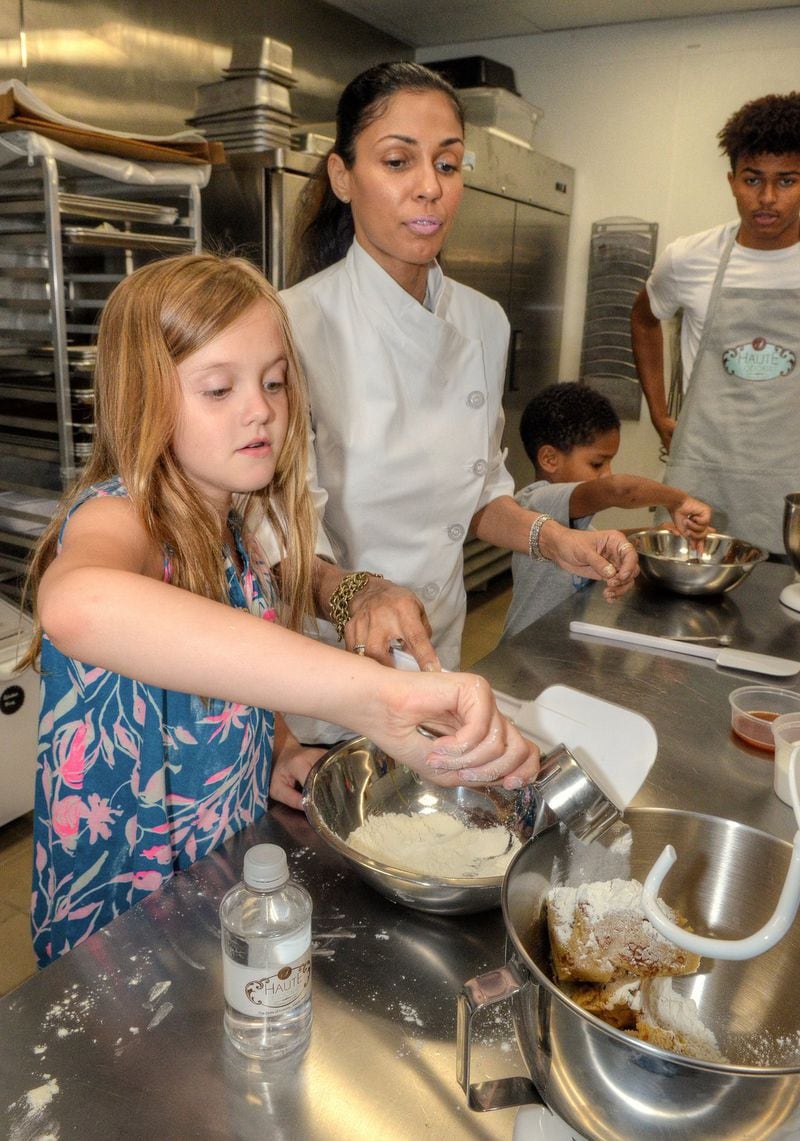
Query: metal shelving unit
{"type": "Point", "coordinates": [66, 238]}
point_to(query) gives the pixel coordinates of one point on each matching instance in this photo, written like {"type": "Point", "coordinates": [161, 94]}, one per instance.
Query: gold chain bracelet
{"type": "Point", "coordinates": [339, 605]}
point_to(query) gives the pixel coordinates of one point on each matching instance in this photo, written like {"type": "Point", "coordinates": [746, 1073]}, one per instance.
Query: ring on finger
{"type": "Point", "coordinates": [623, 547]}
{"type": "Point", "coordinates": [360, 649]}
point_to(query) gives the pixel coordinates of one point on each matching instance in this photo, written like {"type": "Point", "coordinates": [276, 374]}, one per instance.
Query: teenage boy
{"type": "Point", "coordinates": [570, 433]}
{"type": "Point", "coordinates": [738, 284]}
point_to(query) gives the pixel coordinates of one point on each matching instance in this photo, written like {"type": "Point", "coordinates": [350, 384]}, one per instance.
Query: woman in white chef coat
{"type": "Point", "coordinates": [406, 367]}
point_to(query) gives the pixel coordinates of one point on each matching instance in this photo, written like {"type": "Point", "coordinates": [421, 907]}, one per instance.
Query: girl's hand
{"type": "Point", "coordinates": [477, 746]}
{"type": "Point", "coordinates": [383, 615]}
{"type": "Point", "coordinates": [291, 764]}
{"type": "Point", "coordinates": [692, 518]}
{"type": "Point", "coordinates": [606, 555]}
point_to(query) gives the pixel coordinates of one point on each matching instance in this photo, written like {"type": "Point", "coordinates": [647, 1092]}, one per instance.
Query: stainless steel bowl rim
{"type": "Point", "coordinates": [542, 979]}
{"type": "Point", "coordinates": [757, 554]}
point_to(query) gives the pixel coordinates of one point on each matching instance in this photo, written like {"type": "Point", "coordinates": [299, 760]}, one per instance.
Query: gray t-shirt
{"type": "Point", "coordinates": [538, 587]}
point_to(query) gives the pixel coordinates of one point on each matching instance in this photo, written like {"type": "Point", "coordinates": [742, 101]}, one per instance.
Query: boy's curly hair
{"type": "Point", "coordinates": [566, 416]}
{"type": "Point", "coordinates": [769, 125]}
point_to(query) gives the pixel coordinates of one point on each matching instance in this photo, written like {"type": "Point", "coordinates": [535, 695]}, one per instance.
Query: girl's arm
{"type": "Point", "coordinates": [592, 554]}
{"type": "Point", "coordinates": [691, 516]}
{"type": "Point", "coordinates": [100, 602]}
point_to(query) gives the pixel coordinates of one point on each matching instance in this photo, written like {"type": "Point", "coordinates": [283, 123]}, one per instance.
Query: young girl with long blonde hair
{"type": "Point", "coordinates": [155, 613]}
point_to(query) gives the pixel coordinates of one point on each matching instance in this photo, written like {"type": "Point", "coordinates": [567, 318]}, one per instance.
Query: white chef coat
{"type": "Point", "coordinates": [406, 408]}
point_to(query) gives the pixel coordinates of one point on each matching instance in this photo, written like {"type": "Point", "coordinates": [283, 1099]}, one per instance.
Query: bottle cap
{"type": "Point", "coordinates": [265, 867]}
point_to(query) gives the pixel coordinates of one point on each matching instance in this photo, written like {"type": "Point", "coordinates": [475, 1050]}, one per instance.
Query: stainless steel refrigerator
{"type": "Point", "coordinates": [509, 242]}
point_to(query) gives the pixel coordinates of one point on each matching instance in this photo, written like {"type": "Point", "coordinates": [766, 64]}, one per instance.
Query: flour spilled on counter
{"type": "Point", "coordinates": [435, 844]}
{"type": "Point", "coordinates": [321, 943]}
{"type": "Point", "coordinates": [159, 1016]}
{"type": "Point", "coordinates": [24, 1119]}
{"type": "Point", "coordinates": [157, 991]}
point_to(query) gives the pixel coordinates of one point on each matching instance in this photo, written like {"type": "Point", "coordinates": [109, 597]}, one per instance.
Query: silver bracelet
{"type": "Point", "coordinates": [534, 550]}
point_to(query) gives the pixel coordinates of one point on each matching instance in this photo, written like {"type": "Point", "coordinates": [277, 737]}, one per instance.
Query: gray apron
{"type": "Point", "coordinates": [737, 441]}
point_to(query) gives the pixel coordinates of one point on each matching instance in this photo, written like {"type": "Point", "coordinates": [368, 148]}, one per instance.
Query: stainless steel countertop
{"type": "Point", "coordinates": [123, 1037]}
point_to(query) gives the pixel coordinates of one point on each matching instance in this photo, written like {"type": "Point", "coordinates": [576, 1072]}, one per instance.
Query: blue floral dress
{"type": "Point", "coordinates": [134, 782]}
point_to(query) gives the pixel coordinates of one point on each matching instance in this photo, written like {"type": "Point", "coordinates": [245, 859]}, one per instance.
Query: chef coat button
{"type": "Point", "coordinates": [455, 531]}
{"type": "Point", "coordinates": [479, 467]}
{"type": "Point", "coordinates": [476, 399]}
{"type": "Point", "coordinates": [429, 591]}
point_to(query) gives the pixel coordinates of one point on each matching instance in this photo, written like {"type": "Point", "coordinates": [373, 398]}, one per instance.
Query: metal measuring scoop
{"type": "Point", "coordinates": [562, 791]}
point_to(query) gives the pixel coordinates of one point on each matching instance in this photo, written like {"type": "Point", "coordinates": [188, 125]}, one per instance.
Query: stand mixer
{"type": "Point", "coordinates": [790, 595]}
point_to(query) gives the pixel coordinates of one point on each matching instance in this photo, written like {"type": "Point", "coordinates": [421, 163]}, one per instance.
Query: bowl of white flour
{"type": "Point", "coordinates": [436, 849]}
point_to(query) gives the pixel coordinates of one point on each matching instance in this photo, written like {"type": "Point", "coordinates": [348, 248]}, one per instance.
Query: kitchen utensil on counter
{"type": "Point", "coordinates": [712, 639]}
{"type": "Point", "coordinates": [748, 946]}
{"type": "Point", "coordinates": [730, 659]}
{"type": "Point", "coordinates": [585, 783]}
{"type": "Point", "coordinates": [754, 708]}
{"type": "Point", "coordinates": [786, 735]}
{"type": "Point", "coordinates": [790, 595]}
{"type": "Point", "coordinates": [714, 565]}
{"type": "Point", "coordinates": [606, 1083]}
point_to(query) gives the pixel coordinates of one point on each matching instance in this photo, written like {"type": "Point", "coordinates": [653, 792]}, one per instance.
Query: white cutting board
{"type": "Point", "coordinates": [614, 745]}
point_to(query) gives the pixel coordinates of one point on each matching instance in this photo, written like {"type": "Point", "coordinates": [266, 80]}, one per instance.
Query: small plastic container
{"type": "Point", "coordinates": [786, 732]}
{"type": "Point", "coordinates": [755, 707]}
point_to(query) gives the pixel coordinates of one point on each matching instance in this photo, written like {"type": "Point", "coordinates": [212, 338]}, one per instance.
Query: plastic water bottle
{"type": "Point", "coordinates": [266, 957]}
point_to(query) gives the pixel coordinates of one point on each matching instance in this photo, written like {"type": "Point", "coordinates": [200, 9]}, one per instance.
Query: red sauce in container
{"type": "Point", "coordinates": [743, 727]}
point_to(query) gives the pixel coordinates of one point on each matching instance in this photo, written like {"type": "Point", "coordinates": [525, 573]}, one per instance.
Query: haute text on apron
{"type": "Point", "coordinates": [736, 444]}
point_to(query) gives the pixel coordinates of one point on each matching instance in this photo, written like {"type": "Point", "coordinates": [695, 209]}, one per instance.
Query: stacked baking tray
{"type": "Point", "coordinates": [66, 238]}
{"type": "Point", "coordinates": [250, 108]}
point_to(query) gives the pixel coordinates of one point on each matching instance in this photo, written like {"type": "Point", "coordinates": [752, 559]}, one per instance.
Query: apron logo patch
{"type": "Point", "coordinates": [758, 360]}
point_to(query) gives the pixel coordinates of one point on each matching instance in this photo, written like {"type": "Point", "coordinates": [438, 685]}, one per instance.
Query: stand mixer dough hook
{"type": "Point", "coordinates": [748, 947]}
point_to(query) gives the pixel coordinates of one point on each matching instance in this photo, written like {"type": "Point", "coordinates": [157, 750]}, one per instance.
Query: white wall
{"type": "Point", "coordinates": [635, 109]}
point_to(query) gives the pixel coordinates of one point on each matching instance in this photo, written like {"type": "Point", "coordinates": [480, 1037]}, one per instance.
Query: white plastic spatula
{"type": "Point", "coordinates": [615, 746]}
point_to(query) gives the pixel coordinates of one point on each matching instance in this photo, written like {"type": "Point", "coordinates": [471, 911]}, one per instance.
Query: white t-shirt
{"type": "Point", "coordinates": [683, 275]}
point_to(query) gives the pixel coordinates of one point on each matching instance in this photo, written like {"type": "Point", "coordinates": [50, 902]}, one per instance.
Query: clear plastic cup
{"type": "Point", "coordinates": [786, 732]}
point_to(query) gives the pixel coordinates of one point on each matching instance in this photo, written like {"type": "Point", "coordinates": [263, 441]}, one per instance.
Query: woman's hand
{"type": "Point", "coordinates": [606, 555]}
{"type": "Point", "coordinates": [291, 764]}
{"type": "Point", "coordinates": [477, 746]}
{"type": "Point", "coordinates": [692, 518]}
{"type": "Point", "coordinates": [382, 616]}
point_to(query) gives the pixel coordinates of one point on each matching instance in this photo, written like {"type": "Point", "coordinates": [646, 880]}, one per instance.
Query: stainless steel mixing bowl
{"type": "Point", "coordinates": [607, 1084]}
{"type": "Point", "coordinates": [357, 780]}
{"type": "Point", "coordinates": [719, 564]}
{"type": "Point", "coordinates": [791, 528]}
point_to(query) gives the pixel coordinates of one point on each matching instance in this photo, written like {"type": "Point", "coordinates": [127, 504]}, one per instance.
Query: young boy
{"type": "Point", "coordinates": [571, 434]}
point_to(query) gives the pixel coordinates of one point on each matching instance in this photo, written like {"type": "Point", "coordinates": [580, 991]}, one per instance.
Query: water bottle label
{"type": "Point", "coordinates": [254, 991]}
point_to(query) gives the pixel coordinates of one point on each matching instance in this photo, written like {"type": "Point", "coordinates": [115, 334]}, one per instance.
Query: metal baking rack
{"type": "Point", "coordinates": [67, 237]}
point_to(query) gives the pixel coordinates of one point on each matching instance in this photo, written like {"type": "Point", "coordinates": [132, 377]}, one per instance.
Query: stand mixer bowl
{"type": "Point", "coordinates": [791, 528]}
